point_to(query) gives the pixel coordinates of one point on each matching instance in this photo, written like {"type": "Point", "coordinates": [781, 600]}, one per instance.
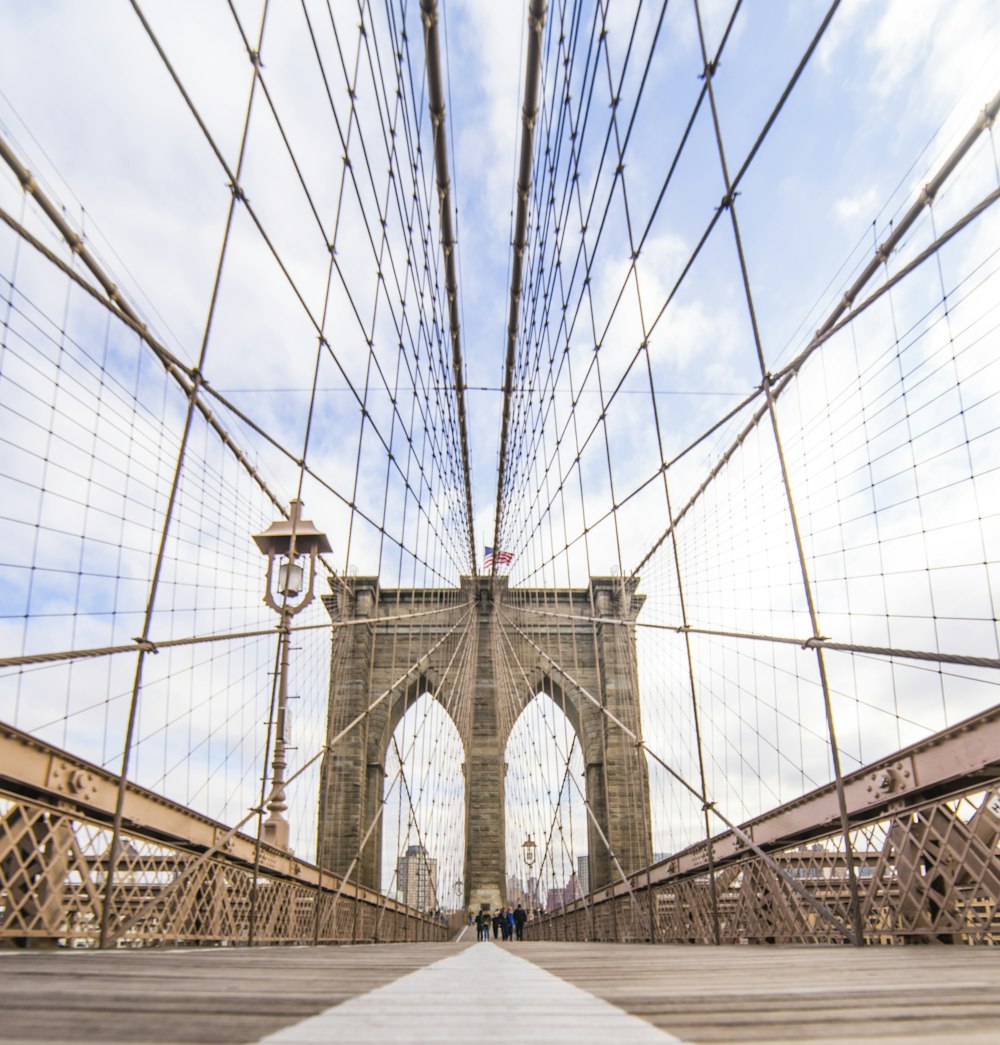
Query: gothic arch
{"type": "Point", "coordinates": [352, 773]}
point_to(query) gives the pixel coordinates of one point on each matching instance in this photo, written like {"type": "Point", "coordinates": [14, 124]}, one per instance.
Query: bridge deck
{"type": "Point", "coordinates": [483, 993]}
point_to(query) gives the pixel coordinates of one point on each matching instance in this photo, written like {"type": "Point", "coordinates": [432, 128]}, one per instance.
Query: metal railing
{"type": "Point", "coordinates": [178, 877]}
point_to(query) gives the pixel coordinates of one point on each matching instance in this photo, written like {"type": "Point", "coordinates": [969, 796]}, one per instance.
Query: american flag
{"type": "Point", "coordinates": [503, 558]}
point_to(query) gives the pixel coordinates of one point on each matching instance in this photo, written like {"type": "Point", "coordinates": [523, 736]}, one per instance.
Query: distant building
{"type": "Point", "coordinates": [515, 892]}
{"type": "Point", "coordinates": [533, 897]}
{"type": "Point", "coordinates": [416, 877]}
{"type": "Point", "coordinates": [583, 873]}
{"type": "Point", "coordinates": [567, 894]}
{"type": "Point", "coordinates": [573, 891]}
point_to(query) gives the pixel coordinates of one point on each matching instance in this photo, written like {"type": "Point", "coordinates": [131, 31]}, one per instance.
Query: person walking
{"type": "Point", "coordinates": [509, 915]}
{"type": "Point", "coordinates": [520, 917]}
{"type": "Point", "coordinates": [497, 926]}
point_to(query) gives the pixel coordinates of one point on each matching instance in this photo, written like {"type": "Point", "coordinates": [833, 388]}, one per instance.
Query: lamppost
{"type": "Point", "coordinates": [458, 894]}
{"type": "Point", "coordinates": [287, 540]}
{"type": "Point", "coordinates": [530, 847]}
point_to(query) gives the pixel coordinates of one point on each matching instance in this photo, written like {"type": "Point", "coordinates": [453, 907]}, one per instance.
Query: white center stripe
{"type": "Point", "coordinates": [485, 994]}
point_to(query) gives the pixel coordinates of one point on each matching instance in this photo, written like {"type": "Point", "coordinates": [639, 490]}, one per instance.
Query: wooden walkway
{"type": "Point", "coordinates": [481, 993]}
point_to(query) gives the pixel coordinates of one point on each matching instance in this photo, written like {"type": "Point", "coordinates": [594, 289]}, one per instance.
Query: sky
{"type": "Point", "coordinates": [886, 78]}
{"type": "Point", "coordinates": [91, 109]}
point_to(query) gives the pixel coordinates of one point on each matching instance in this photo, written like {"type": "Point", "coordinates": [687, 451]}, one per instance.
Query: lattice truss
{"type": "Point", "coordinates": [786, 477]}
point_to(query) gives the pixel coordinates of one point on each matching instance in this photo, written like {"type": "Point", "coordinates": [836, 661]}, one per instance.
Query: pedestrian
{"type": "Point", "coordinates": [510, 925]}
{"type": "Point", "coordinates": [497, 926]}
{"type": "Point", "coordinates": [520, 917]}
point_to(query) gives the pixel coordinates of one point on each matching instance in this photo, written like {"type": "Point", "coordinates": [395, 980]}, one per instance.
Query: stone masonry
{"type": "Point", "coordinates": [371, 657]}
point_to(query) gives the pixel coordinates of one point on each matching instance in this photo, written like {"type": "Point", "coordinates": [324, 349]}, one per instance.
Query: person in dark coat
{"type": "Point", "coordinates": [497, 925]}
{"type": "Point", "coordinates": [520, 917]}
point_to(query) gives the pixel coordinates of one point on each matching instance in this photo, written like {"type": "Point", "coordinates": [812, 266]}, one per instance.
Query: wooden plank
{"type": "Point", "coordinates": [224, 995]}
{"type": "Point", "coordinates": [926, 994]}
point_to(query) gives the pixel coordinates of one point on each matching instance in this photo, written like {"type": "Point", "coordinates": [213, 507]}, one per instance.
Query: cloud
{"type": "Point", "coordinates": [848, 208]}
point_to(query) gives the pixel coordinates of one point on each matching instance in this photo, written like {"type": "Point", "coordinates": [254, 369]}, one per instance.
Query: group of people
{"type": "Point", "coordinates": [505, 923]}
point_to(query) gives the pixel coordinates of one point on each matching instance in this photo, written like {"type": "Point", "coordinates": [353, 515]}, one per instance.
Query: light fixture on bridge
{"type": "Point", "coordinates": [530, 847]}
{"type": "Point", "coordinates": [286, 540]}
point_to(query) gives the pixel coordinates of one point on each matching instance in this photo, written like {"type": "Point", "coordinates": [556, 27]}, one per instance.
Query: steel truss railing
{"type": "Point", "coordinates": [925, 841]}
{"type": "Point", "coordinates": [179, 878]}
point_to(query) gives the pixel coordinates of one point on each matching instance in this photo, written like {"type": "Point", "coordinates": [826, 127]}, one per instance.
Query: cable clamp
{"type": "Point", "coordinates": [145, 645]}
{"type": "Point", "coordinates": [709, 72]}
{"type": "Point", "coordinates": [254, 58]}
{"type": "Point", "coordinates": [238, 193]}
{"type": "Point", "coordinates": [708, 807]}
{"type": "Point", "coordinates": [816, 642]}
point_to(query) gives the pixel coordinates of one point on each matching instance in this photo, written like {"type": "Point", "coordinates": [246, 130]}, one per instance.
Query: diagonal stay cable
{"type": "Point", "coordinates": [240, 195]}
{"type": "Point", "coordinates": [325, 749]}
{"type": "Point", "coordinates": [842, 316]}
{"type": "Point", "coordinates": [817, 905]}
{"type": "Point", "coordinates": [586, 803]}
{"type": "Point", "coordinates": [183, 374]}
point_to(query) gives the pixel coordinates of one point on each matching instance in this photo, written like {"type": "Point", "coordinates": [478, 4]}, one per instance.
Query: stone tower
{"type": "Point", "coordinates": [369, 671]}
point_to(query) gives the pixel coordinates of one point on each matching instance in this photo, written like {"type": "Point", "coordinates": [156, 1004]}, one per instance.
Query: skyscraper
{"type": "Point", "coordinates": [583, 873]}
{"type": "Point", "coordinates": [416, 875]}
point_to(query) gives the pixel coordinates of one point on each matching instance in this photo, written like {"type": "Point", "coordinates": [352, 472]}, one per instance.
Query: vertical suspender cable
{"type": "Point", "coordinates": [529, 112]}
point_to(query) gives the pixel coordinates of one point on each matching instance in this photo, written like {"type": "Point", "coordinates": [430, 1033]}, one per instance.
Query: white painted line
{"type": "Point", "coordinates": [482, 995]}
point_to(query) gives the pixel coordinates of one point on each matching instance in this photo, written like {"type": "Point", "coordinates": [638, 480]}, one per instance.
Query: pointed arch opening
{"type": "Point", "coordinates": [423, 816]}
{"type": "Point", "coordinates": [544, 804]}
